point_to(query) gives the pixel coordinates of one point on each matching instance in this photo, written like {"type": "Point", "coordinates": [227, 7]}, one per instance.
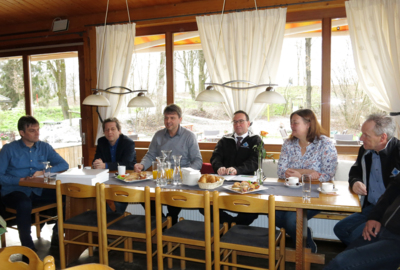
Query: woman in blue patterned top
{"type": "Point", "coordinates": [306, 151]}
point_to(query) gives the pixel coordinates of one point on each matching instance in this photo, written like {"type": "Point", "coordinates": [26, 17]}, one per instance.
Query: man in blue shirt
{"type": "Point", "coordinates": [377, 164]}
{"type": "Point", "coordinates": [21, 160]}
{"type": "Point", "coordinates": [114, 149]}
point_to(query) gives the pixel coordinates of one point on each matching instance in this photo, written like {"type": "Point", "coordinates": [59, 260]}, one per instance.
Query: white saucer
{"type": "Point", "coordinates": [293, 186]}
{"type": "Point", "coordinates": [333, 191]}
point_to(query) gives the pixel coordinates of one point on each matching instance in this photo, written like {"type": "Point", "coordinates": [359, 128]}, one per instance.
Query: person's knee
{"type": "Point", "coordinates": [24, 205]}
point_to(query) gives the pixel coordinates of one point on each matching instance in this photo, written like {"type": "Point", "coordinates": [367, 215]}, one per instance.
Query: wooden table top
{"type": "Point", "coordinates": [344, 201]}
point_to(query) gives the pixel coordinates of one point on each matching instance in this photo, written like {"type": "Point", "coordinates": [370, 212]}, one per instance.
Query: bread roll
{"type": "Point", "coordinates": [203, 179]}
{"type": "Point", "coordinates": [210, 178]}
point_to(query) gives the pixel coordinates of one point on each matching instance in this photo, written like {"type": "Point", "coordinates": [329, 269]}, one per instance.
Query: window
{"type": "Point", "coordinates": [298, 79]}
{"type": "Point", "coordinates": [147, 72]}
{"type": "Point", "coordinates": [12, 96]}
{"type": "Point", "coordinates": [350, 105]}
{"type": "Point", "coordinates": [56, 97]}
{"type": "Point", "coordinates": [207, 120]}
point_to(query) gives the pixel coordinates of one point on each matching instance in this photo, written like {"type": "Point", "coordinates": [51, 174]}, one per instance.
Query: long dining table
{"type": "Point", "coordinates": [343, 201]}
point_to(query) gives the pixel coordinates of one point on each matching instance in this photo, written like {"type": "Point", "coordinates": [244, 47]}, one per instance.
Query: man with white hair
{"type": "Point", "coordinates": [377, 164]}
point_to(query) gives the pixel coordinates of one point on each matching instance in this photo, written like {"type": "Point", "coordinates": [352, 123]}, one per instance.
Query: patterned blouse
{"type": "Point", "coordinates": [320, 156]}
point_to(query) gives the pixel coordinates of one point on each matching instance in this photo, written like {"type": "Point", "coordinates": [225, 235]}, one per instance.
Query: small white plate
{"type": "Point", "coordinates": [293, 186]}
{"type": "Point", "coordinates": [333, 191]}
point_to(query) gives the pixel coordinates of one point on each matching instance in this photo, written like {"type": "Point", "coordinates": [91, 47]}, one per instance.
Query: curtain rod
{"type": "Point", "coordinates": [215, 12]}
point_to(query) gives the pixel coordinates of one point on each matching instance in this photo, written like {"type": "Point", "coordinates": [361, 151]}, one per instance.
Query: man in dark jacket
{"type": "Point", "coordinates": [379, 245]}
{"type": "Point", "coordinates": [377, 164]}
{"type": "Point", "coordinates": [114, 149]}
{"type": "Point", "coordinates": [233, 155]}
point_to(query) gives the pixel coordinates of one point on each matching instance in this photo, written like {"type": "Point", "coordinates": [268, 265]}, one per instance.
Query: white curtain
{"type": "Point", "coordinates": [249, 49]}
{"type": "Point", "coordinates": [114, 49]}
{"type": "Point", "coordinates": [374, 27]}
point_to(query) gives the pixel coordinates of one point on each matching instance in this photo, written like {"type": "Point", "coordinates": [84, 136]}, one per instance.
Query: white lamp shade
{"type": "Point", "coordinates": [210, 96]}
{"type": "Point", "coordinates": [96, 100]}
{"type": "Point", "coordinates": [269, 97]}
{"type": "Point", "coordinates": [141, 101]}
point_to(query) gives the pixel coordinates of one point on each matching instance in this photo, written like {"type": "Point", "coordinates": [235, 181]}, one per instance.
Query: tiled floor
{"type": "Point", "coordinates": [330, 249]}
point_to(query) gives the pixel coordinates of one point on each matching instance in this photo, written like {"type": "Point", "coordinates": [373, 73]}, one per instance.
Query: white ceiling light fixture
{"type": "Point", "coordinates": [212, 95]}
{"type": "Point", "coordinates": [269, 96]}
{"type": "Point", "coordinates": [96, 99]}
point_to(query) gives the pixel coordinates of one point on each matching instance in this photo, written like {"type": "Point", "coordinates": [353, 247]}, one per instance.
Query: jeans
{"type": "Point", "coordinates": [350, 228]}
{"type": "Point", "coordinates": [287, 220]}
{"type": "Point", "coordinates": [120, 207]}
{"type": "Point", "coordinates": [23, 205]}
{"type": "Point", "coordinates": [382, 252]}
{"type": "Point", "coordinates": [240, 219]}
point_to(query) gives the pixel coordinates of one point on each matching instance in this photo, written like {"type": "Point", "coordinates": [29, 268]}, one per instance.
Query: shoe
{"type": "Point", "coordinates": [310, 241]}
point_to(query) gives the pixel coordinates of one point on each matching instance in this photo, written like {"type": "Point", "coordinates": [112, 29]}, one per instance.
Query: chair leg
{"type": "Point", "coordinates": [170, 262]}
{"type": "Point", "coordinates": [149, 254]}
{"type": "Point", "coordinates": [3, 240]}
{"type": "Point", "coordinates": [227, 259]}
{"type": "Point", "coordinates": [90, 239]}
{"type": "Point", "coordinates": [62, 249]}
{"type": "Point", "coordinates": [37, 220]}
{"type": "Point", "coordinates": [183, 262]}
{"type": "Point", "coordinates": [130, 246]}
{"type": "Point", "coordinates": [234, 259]}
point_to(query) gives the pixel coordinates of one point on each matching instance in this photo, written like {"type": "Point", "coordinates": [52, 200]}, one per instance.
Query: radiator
{"type": "Point", "coordinates": [322, 228]}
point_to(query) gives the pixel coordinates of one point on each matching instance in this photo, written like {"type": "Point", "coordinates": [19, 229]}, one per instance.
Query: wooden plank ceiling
{"type": "Point", "coordinates": [26, 11]}
{"type": "Point", "coordinates": [23, 12]}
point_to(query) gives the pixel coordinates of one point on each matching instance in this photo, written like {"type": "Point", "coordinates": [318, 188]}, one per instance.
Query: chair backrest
{"type": "Point", "coordinates": [283, 133]}
{"type": "Point", "coordinates": [343, 169]}
{"type": "Point", "coordinates": [123, 194]}
{"type": "Point", "coordinates": [270, 168]}
{"type": "Point", "coordinates": [211, 132]}
{"type": "Point", "coordinates": [240, 203]}
{"type": "Point", "coordinates": [91, 266]}
{"type": "Point", "coordinates": [34, 262]}
{"type": "Point", "coordinates": [343, 137]}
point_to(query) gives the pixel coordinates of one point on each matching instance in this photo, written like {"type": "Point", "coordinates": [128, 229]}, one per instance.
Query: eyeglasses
{"type": "Point", "coordinates": [110, 129]}
{"type": "Point", "coordinates": [241, 121]}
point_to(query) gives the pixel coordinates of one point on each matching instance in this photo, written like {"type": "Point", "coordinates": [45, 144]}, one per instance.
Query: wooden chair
{"type": "Point", "coordinates": [37, 210]}
{"type": "Point", "coordinates": [88, 222]}
{"type": "Point", "coordinates": [128, 227]}
{"type": "Point", "coordinates": [248, 239]}
{"type": "Point", "coordinates": [185, 232]}
{"type": "Point", "coordinates": [91, 266]}
{"type": "Point", "coordinates": [34, 262]}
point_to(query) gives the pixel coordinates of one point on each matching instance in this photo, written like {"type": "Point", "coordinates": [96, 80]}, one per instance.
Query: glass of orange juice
{"type": "Point", "coordinates": [169, 171]}
{"type": "Point", "coordinates": [155, 169]}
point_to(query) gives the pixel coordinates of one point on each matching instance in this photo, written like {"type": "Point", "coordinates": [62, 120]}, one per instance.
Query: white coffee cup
{"type": "Point", "coordinates": [292, 180]}
{"type": "Point", "coordinates": [327, 187]}
{"type": "Point", "coordinates": [121, 170]}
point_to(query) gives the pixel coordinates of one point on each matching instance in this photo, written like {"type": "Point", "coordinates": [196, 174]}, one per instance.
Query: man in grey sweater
{"type": "Point", "coordinates": [178, 139]}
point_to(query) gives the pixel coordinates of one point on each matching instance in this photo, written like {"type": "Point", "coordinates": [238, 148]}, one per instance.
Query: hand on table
{"type": "Point", "coordinates": [359, 188]}
{"type": "Point", "coordinates": [37, 173]}
{"type": "Point", "coordinates": [231, 171]}
{"type": "Point", "coordinates": [99, 164]}
{"type": "Point", "coordinates": [315, 175]}
{"type": "Point", "coordinates": [222, 171]}
{"type": "Point", "coordinates": [138, 167]}
{"type": "Point", "coordinates": [372, 228]}
{"type": "Point", "coordinates": [291, 172]}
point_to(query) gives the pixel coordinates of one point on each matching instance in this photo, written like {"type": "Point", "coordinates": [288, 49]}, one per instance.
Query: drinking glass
{"type": "Point", "coordinates": [306, 181]}
{"type": "Point", "coordinates": [46, 171]}
{"type": "Point", "coordinates": [80, 162]}
{"type": "Point", "coordinates": [177, 175]}
{"type": "Point", "coordinates": [154, 168]}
